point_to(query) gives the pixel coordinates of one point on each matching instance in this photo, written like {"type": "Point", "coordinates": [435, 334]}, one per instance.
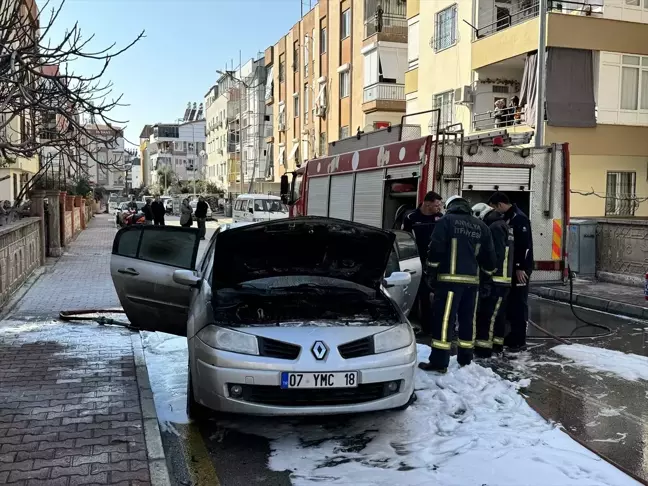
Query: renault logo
{"type": "Point", "coordinates": [319, 350]}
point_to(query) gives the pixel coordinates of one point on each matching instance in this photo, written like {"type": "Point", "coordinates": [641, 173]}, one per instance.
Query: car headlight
{"type": "Point", "coordinates": [229, 340]}
{"type": "Point", "coordinates": [395, 338]}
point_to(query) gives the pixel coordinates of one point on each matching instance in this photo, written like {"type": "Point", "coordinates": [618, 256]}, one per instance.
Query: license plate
{"type": "Point", "coordinates": [347, 379]}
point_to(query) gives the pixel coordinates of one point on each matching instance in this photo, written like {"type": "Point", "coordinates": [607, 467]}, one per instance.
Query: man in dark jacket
{"type": "Point", "coordinates": [420, 224]}
{"type": "Point", "coordinates": [460, 246]}
{"type": "Point", "coordinates": [148, 212]}
{"type": "Point", "coordinates": [517, 308]}
{"type": "Point", "coordinates": [491, 313]}
{"type": "Point", "coordinates": [201, 216]}
{"type": "Point", "coordinates": [158, 211]}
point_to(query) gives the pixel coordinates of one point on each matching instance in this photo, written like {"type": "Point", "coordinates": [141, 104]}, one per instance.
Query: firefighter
{"type": "Point", "coordinates": [460, 245]}
{"type": "Point", "coordinates": [491, 313]}
{"type": "Point", "coordinates": [420, 223]}
{"type": "Point", "coordinates": [517, 307]}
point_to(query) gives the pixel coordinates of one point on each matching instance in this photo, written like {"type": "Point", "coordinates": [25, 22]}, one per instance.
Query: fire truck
{"type": "Point", "coordinates": [379, 183]}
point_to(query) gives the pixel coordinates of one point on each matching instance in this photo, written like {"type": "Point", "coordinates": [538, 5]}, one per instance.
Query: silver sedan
{"type": "Point", "coordinates": [288, 317]}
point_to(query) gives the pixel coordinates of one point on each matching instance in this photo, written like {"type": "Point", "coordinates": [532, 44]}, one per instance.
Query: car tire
{"type": "Point", "coordinates": [195, 410]}
{"type": "Point", "coordinates": [407, 405]}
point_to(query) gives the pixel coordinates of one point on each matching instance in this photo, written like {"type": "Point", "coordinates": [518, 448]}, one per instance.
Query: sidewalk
{"type": "Point", "coordinates": [617, 299]}
{"type": "Point", "coordinates": [75, 402]}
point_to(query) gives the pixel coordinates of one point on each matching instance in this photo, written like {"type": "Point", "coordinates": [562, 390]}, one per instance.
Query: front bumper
{"type": "Point", "coordinates": [262, 394]}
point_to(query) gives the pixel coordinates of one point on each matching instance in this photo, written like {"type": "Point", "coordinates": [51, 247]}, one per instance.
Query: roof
{"type": "Point", "coordinates": [146, 131]}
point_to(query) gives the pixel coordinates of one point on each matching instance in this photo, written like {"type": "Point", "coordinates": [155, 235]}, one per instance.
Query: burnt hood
{"type": "Point", "coordinates": [307, 246]}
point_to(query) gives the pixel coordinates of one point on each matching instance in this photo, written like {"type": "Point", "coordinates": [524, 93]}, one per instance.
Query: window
{"type": "Point", "coordinates": [444, 102]}
{"type": "Point", "coordinates": [296, 57]}
{"type": "Point", "coordinates": [371, 68]}
{"type": "Point", "coordinates": [296, 105]}
{"type": "Point", "coordinates": [282, 114]}
{"type": "Point", "coordinates": [413, 45]}
{"type": "Point", "coordinates": [345, 26]}
{"type": "Point", "coordinates": [313, 46]}
{"type": "Point", "coordinates": [406, 245]}
{"type": "Point", "coordinates": [620, 193]}
{"type": "Point", "coordinates": [344, 132]}
{"type": "Point", "coordinates": [323, 39]}
{"type": "Point", "coordinates": [306, 106]}
{"type": "Point", "coordinates": [282, 68]}
{"type": "Point", "coordinates": [165, 246]}
{"type": "Point", "coordinates": [445, 28]}
{"type": "Point", "coordinates": [345, 79]}
{"type": "Point", "coordinates": [634, 83]}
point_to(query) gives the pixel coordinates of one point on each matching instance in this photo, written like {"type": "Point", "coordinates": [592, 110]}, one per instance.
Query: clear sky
{"type": "Point", "coordinates": [186, 42]}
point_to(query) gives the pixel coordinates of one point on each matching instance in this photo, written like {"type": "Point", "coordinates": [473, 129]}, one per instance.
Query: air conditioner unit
{"type": "Point", "coordinates": [282, 127]}
{"type": "Point", "coordinates": [463, 95]}
{"type": "Point", "coordinates": [220, 151]}
{"type": "Point", "coordinates": [320, 111]}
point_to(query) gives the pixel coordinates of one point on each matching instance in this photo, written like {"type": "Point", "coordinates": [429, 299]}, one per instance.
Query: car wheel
{"type": "Point", "coordinates": [411, 400]}
{"type": "Point", "coordinates": [195, 410]}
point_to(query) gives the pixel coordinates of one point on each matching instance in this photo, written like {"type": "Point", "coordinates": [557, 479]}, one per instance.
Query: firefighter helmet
{"type": "Point", "coordinates": [480, 210]}
{"type": "Point", "coordinates": [452, 199]}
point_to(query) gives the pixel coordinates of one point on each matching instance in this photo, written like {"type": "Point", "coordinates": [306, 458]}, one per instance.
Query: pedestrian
{"type": "Point", "coordinates": [157, 207]}
{"type": "Point", "coordinates": [148, 212]}
{"type": "Point", "coordinates": [186, 218]}
{"type": "Point", "coordinates": [201, 216]}
{"type": "Point", "coordinates": [460, 246]}
{"type": "Point", "coordinates": [517, 307]}
{"type": "Point", "coordinates": [493, 292]}
{"type": "Point", "coordinates": [420, 223]}
{"type": "Point", "coordinates": [132, 204]}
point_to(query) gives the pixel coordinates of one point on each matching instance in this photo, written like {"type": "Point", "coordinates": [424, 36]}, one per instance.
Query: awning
{"type": "Point", "coordinates": [393, 63]}
{"type": "Point", "coordinates": [282, 153]}
{"type": "Point", "coordinates": [293, 152]}
{"type": "Point", "coordinates": [269, 84]}
{"type": "Point", "coordinates": [321, 97]}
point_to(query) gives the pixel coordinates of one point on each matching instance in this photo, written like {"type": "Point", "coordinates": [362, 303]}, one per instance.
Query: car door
{"type": "Point", "coordinates": [141, 266]}
{"type": "Point", "coordinates": [410, 262]}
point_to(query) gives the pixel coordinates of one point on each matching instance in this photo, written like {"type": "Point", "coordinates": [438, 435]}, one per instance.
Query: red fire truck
{"type": "Point", "coordinates": [379, 185]}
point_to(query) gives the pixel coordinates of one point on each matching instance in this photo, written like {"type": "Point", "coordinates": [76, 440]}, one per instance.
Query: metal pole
{"type": "Point", "coordinates": [241, 85]}
{"type": "Point", "coordinates": [540, 75]}
{"type": "Point", "coordinates": [193, 137]}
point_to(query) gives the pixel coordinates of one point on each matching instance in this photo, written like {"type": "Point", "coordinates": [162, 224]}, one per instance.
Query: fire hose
{"type": "Point", "coordinates": [85, 315]}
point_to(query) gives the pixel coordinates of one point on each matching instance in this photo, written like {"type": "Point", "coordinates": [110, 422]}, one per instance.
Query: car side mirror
{"type": "Point", "coordinates": [251, 210]}
{"type": "Point", "coordinates": [186, 278]}
{"type": "Point", "coordinates": [397, 279]}
{"type": "Point", "coordinates": [284, 187]}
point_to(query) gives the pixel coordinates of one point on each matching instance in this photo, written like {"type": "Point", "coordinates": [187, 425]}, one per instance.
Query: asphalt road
{"type": "Point", "coordinates": [236, 450]}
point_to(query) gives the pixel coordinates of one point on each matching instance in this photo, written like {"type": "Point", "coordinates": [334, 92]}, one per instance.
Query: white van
{"type": "Point", "coordinates": [258, 207]}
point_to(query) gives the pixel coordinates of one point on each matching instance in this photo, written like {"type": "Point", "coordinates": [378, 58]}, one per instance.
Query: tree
{"type": "Point", "coordinates": [43, 101]}
{"type": "Point", "coordinates": [165, 177]}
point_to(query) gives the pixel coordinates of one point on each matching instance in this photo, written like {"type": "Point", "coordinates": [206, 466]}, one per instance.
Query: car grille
{"type": "Point", "coordinates": [278, 349]}
{"type": "Point", "coordinates": [274, 395]}
{"type": "Point", "coordinates": [358, 348]}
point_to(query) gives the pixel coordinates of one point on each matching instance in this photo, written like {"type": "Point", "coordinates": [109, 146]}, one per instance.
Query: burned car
{"type": "Point", "coordinates": [287, 317]}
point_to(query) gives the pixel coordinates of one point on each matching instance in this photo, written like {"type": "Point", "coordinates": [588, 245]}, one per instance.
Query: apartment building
{"type": "Point", "coordinates": [103, 163]}
{"type": "Point", "coordinates": [180, 146]}
{"type": "Point", "coordinates": [596, 90]}
{"type": "Point", "coordinates": [216, 101]}
{"type": "Point", "coordinates": [339, 70]}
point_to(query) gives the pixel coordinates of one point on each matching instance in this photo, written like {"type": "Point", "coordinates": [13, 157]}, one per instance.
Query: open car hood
{"type": "Point", "coordinates": [313, 246]}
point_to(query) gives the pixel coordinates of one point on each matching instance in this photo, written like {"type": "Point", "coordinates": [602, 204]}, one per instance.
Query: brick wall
{"type": "Point", "coordinates": [20, 255]}
{"type": "Point", "coordinates": [68, 227]}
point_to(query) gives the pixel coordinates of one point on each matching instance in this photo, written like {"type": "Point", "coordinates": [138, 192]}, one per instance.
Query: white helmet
{"type": "Point", "coordinates": [451, 199]}
{"type": "Point", "coordinates": [480, 210]}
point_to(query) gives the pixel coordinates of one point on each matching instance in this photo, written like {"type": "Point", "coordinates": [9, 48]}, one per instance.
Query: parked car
{"type": "Point", "coordinates": [210, 215]}
{"type": "Point", "coordinates": [273, 329]}
{"type": "Point", "coordinates": [258, 207]}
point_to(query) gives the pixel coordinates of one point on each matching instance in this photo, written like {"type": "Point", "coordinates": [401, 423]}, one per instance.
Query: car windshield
{"type": "Point", "coordinates": [302, 301]}
{"type": "Point", "coordinates": [270, 205]}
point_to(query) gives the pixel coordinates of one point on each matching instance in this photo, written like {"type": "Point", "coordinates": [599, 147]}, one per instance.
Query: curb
{"type": "Point", "coordinates": [590, 302]}
{"type": "Point", "coordinates": [158, 468]}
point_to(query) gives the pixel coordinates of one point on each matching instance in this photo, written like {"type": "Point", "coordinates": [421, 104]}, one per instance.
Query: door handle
{"type": "Point", "coordinates": [128, 271]}
{"type": "Point", "coordinates": [411, 272]}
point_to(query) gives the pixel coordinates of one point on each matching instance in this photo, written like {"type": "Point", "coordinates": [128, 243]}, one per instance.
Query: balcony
{"type": "Point", "coordinates": [389, 29]}
{"type": "Point", "coordinates": [384, 97]}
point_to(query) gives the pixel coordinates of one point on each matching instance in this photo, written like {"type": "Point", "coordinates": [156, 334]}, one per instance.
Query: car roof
{"type": "Point", "coordinates": [258, 196]}
{"type": "Point", "coordinates": [239, 224]}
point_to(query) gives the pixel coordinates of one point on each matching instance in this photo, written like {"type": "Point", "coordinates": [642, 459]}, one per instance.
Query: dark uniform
{"type": "Point", "coordinates": [491, 316]}
{"type": "Point", "coordinates": [459, 246]}
{"type": "Point", "coordinates": [517, 310]}
{"type": "Point", "coordinates": [421, 227]}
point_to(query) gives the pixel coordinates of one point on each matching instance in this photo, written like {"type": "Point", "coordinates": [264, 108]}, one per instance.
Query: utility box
{"type": "Point", "coordinates": [581, 246]}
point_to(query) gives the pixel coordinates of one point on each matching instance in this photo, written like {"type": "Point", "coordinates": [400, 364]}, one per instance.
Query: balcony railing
{"type": "Point", "coordinates": [499, 118]}
{"type": "Point", "coordinates": [384, 92]}
{"type": "Point", "coordinates": [527, 9]}
{"type": "Point", "coordinates": [387, 25]}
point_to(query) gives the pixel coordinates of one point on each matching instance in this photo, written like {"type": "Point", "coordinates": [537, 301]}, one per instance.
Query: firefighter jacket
{"type": "Point", "coordinates": [523, 247]}
{"type": "Point", "coordinates": [460, 245]}
{"type": "Point", "coordinates": [503, 244]}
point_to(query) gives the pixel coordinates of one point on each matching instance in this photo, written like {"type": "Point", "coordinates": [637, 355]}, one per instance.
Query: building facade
{"type": "Point", "coordinates": [596, 89]}
{"type": "Point", "coordinates": [339, 70]}
{"type": "Point", "coordinates": [103, 163]}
